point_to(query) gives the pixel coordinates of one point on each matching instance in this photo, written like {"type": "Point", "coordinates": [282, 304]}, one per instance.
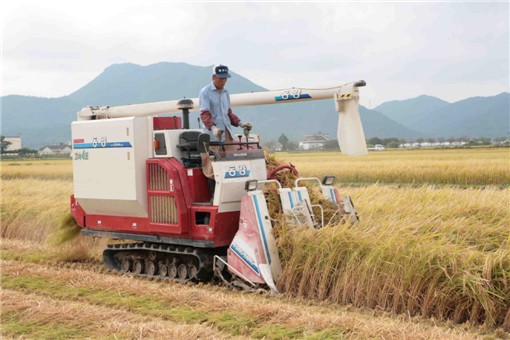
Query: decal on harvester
{"type": "Point", "coordinates": [245, 257]}
{"type": "Point", "coordinates": [237, 171]}
{"type": "Point", "coordinates": [83, 155]}
{"type": "Point", "coordinates": [292, 95]}
{"type": "Point", "coordinates": [332, 193]}
{"type": "Point", "coordinates": [100, 143]}
{"type": "Point", "coordinates": [261, 228]}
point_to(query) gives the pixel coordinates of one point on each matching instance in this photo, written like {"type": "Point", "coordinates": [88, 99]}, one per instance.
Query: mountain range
{"type": "Point", "coordinates": [472, 117]}
{"type": "Point", "coordinates": [42, 121]}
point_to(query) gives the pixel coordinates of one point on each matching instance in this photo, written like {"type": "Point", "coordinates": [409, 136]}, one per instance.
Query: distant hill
{"type": "Point", "coordinates": [376, 124]}
{"type": "Point", "coordinates": [408, 112]}
{"type": "Point", "coordinates": [39, 121]}
{"type": "Point", "coordinates": [43, 121]}
{"type": "Point", "coordinates": [433, 117]}
{"type": "Point", "coordinates": [474, 117]}
{"type": "Point", "coordinates": [122, 84]}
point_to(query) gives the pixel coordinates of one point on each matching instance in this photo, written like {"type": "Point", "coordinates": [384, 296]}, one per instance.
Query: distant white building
{"type": "Point", "coordinates": [313, 141]}
{"type": "Point", "coordinates": [428, 144]}
{"type": "Point", "coordinates": [61, 149]}
{"type": "Point", "coordinates": [15, 143]}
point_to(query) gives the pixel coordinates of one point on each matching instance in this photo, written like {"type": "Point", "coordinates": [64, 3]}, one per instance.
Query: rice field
{"type": "Point", "coordinates": [430, 258]}
{"type": "Point", "coordinates": [59, 169]}
{"type": "Point", "coordinates": [447, 255]}
{"type": "Point", "coordinates": [462, 167]}
{"type": "Point", "coordinates": [44, 299]}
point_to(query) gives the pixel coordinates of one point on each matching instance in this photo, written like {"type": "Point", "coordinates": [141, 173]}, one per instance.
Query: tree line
{"type": "Point", "coordinates": [284, 144]}
{"type": "Point", "coordinates": [4, 145]}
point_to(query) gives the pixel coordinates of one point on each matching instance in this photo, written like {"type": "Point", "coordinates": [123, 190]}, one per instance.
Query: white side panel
{"type": "Point", "coordinates": [295, 211]}
{"type": "Point", "coordinates": [303, 208]}
{"type": "Point", "coordinates": [328, 192]}
{"type": "Point", "coordinates": [302, 194]}
{"type": "Point", "coordinates": [288, 199]}
{"type": "Point", "coordinates": [266, 233]}
{"type": "Point", "coordinates": [265, 271]}
{"type": "Point", "coordinates": [109, 165]}
{"type": "Point", "coordinates": [231, 177]}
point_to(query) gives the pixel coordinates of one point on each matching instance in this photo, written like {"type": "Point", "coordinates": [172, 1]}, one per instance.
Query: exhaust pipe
{"type": "Point", "coordinates": [185, 105]}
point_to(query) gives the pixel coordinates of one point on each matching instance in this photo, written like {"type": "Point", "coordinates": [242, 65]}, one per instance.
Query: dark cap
{"type": "Point", "coordinates": [221, 71]}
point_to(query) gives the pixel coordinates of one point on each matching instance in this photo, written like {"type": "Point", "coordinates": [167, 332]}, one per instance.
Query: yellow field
{"type": "Point", "coordinates": [43, 169]}
{"type": "Point", "coordinates": [433, 240]}
{"type": "Point", "coordinates": [460, 167]}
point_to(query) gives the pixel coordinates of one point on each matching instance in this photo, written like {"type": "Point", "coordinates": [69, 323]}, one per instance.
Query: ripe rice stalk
{"type": "Point", "coordinates": [417, 275]}
{"type": "Point", "coordinates": [38, 210]}
{"type": "Point", "coordinates": [432, 272]}
{"type": "Point", "coordinates": [285, 177]}
{"type": "Point", "coordinates": [66, 231]}
{"type": "Point", "coordinates": [440, 252]}
{"type": "Point", "coordinates": [71, 245]}
{"type": "Point", "coordinates": [31, 208]}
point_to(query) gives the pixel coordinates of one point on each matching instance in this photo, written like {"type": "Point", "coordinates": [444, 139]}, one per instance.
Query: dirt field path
{"type": "Point", "coordinates": [44, 298]}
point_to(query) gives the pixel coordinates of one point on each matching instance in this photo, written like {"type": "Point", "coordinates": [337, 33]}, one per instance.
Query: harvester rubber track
{"type": "Point", "coordinates": [178, 263]}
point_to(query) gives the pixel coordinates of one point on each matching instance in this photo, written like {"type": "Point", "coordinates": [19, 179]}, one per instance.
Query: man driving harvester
{"type": "Point", "coordinates": [217, 116]}
{"type": "Point", "coordinates": [215, 111]}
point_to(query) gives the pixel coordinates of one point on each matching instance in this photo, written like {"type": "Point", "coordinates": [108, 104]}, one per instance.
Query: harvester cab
{"type": "Point", "coordinates": [138, 178]}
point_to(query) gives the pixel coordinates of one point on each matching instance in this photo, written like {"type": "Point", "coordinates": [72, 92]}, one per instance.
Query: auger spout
{"type": "Point", "coordinates": [350, 131]}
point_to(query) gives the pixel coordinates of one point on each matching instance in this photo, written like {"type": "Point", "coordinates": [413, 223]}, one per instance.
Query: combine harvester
{"type": "Point", "coordinates": [138, 178]}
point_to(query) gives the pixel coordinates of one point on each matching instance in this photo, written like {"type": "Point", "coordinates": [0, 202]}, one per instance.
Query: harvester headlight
{"type": "Point", "coordinates": [328, 180]}
{"type": "Point", "coordinates": [251, 185]}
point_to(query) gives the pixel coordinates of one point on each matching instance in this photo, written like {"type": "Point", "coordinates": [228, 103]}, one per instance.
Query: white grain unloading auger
{"type": "Point", "coordinates": [138, 177]}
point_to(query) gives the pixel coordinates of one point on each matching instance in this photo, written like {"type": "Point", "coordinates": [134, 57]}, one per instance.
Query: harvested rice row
{"type": "Point", "coordinates": [36, 316]}
{"type": "Point", "coordinates": [258, 312]}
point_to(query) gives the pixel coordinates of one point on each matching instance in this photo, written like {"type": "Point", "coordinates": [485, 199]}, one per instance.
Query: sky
{"type": "Point", "coordinates": [451, 50]}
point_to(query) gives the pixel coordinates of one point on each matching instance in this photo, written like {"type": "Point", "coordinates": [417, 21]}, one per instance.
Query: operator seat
{"type": "Point", "coordinates": [191, 144]}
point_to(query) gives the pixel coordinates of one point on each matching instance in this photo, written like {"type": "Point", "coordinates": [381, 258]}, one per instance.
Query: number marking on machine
{"type": "Point", "coordinates": [292, 95]}
{"type": "Point", "coordinates": [237, 171]}
{"type": "Point", "coordinates": [102, 144]}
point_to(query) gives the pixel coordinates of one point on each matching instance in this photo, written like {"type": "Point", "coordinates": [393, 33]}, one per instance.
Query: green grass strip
{"type": "Point", "coordinates": [139, 304]}
{"type": "Point", "coordinates": [13, 326]}
{"type": "Point", "coordinates": [31, 256]}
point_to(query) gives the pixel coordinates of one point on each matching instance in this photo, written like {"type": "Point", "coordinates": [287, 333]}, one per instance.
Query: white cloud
{"type": "Point", "coordinates": [402, 50]}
